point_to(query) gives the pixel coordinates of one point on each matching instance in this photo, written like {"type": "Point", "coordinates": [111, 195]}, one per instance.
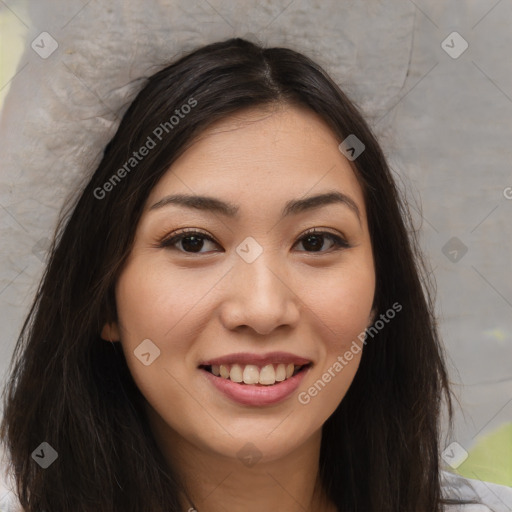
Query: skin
{"type": "Point", "coordinates": [200, 305]}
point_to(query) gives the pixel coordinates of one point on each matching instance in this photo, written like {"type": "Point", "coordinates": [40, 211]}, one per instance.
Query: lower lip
{"type": "Point", "coordinates": [254, 395]}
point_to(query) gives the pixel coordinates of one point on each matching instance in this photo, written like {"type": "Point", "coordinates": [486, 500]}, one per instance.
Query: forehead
{"type": "Point", "coordinates": [262, 158]}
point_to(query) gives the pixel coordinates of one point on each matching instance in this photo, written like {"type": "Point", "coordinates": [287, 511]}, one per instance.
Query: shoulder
{"type": "Point", "coordinates": [490, 497]}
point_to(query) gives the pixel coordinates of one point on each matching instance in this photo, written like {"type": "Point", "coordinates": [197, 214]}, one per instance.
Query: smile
{"type": "Point", "coordinates": [256, 379]}
{"type": "Point", "coordinates": [253, 374]}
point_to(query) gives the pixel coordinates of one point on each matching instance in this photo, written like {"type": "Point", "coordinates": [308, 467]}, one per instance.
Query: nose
{"type": "Point", "coordinates": [260, 296]}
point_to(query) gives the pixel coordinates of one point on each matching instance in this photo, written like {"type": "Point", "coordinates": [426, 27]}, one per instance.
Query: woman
{"type": "Point", "coordinates": [294, 364]}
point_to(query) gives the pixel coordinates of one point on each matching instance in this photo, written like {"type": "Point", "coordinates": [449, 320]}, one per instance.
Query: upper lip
{"type": "Point", "coordinates": [244, 358]}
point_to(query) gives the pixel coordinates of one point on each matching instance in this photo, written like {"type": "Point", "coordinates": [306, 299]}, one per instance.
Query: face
{"type": "Point", "coordinates": [248, 291]}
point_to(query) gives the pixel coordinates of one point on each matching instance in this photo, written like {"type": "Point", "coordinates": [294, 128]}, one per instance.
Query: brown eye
{"type": "Point", "coordinates": [315, 240]}
{"type": "Point", "coordinates": [191, 241]}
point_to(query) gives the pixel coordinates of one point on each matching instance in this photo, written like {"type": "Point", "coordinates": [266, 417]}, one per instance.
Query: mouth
{"type": "Point", "coordinates": [254, 374]}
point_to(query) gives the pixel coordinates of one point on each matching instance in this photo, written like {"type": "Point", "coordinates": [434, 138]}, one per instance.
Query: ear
{"type": "Point", "coordinates": [110, 332]}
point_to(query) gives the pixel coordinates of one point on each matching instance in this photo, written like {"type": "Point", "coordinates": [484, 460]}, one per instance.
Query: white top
{"type": "Point", "coordinates": [491, 497]}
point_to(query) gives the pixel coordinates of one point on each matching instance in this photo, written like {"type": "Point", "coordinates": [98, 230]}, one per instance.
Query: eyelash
{"type": "Point", "coordinates": [339, 243]}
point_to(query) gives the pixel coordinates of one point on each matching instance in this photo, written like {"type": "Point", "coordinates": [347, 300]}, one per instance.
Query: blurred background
{"type": "Point", "coordinates": [433, 78]}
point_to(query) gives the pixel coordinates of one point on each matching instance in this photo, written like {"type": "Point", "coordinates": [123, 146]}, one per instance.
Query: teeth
{"type": "Point", "coordinates": [267, 375]}
{"type": "Point", "coordinates": [252, 374]}
{"type": "Point", "coordinates": [236, 374]}
{"type": "Point", "coordinates": [280, 372]}
{"type": "Point", "coordinates": [224, 371]}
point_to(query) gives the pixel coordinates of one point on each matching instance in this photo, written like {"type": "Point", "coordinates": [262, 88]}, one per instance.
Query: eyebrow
{"type": "Point", "coordinates": [292, 207]}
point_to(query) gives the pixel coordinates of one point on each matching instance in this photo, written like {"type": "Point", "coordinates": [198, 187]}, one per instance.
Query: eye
{"type": "Point", "coordinates": [192, 241]}
{"type": "Point", "coordinates": [313, 239]}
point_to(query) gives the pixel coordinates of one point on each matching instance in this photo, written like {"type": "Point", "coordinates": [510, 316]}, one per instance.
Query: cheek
{"type": "Point", "coordinates": [157, 302]}
{"type": "Point", "coordinates": [169, 307]}
{"type": "Point", "coordinates": [342, 309]}
{"type": "Point", "coordinates": [153, 304]}
{"type": "Point", "coordinates": [342, 304]}
{"type": "Point", "coordinates": [150, 304]}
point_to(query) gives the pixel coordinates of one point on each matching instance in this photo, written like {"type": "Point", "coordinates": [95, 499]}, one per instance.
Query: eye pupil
{"type": "Point", "coordinates": [196, 245]}
{"type": "Point", "coordinates": [316, 246]}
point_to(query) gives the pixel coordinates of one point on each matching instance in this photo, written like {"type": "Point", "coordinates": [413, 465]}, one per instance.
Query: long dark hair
{"type": "Point", "coordinates": [71, 389]}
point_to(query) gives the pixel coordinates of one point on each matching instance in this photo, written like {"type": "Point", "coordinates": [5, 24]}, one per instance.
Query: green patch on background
{"type": "Point", "coordinates": [491, 458]}
{"type": "Point", "coordinates": [13, 33]}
